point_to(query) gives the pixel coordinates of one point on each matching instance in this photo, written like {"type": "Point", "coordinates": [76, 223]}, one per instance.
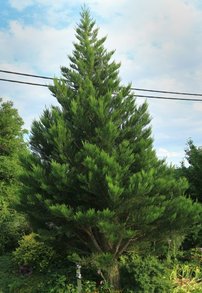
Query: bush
{"type": "Point", "coordinates": [61, 285]}
{"type": "Point", "coordinates": [12, 227]}
{"type": "Point", "coordinates": [57, 281]}
{"type": "Point", "coordinates": [13, 282]}
{"type": "Point", "coordinates": [196, 255]}
{"type": "Point", "coordinates": [5, 272]}
{"type": "Point", "coordinates": [144, 275]}
{"type": "Point", "coordinates": [33, 253]}
{"type": "Point", "coordinates": [187, 277]}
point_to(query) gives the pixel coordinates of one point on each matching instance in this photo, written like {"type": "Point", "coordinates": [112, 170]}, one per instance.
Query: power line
{"type": "Point", "coordinates": [168, 98]}
{"type": "Point", "coordinates": [140, 96]}
{"type": "Point", "coordinates": [133, 88]}
{"type": "Point", "coordinates": [26, 74]}
{"type": "Point", "coordinates": [166, 92]}
{"type": "Point", "coordinates": [23, 82]}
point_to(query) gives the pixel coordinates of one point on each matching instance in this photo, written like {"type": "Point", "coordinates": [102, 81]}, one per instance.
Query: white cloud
{"type": "Point", "coordinates": [20, 4]}
{"type": "Point", "coordinates": [164, 153]}
{"type": "Point", "coordinates": [171, 157]}
{"type": "Point", "coordinates": [198, 106]}
{"type": "Point", "coordinates": [44, 49]}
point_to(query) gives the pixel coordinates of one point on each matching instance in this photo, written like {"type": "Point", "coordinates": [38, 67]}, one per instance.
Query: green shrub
{"type": "Point", "coordinates": [187, 277]}
{"type": "Point", "coordinates": [196, 255]}
{"type": "Point", "coordinates": [61, 285]}
{"type": "Point", "coordinates": [144, 275]}
{"type": "Point", "coordinates": [50, 282]}
{"type": "Point", "coordinates": [12, 282]}
{"type": "Point", "coordinates": [33, 253]}
{"type": "Point", "coordinates": [12, 227]}
{"type": "Point", "coordinates": [5, 272]}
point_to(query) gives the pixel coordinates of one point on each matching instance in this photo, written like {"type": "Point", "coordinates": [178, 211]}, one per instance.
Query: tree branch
{"type": "Point", "coordinates": [125, 246]}
{"type": "Point", "coordinates": [93, 239]}
{"type": "Point", "coordinates": [121, 238]}
{"type": "Point", "coordinates": [118, 246]}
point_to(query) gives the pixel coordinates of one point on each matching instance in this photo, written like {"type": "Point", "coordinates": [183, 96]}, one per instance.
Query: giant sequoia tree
{"type": "Point", "coordinates": [93, 181]}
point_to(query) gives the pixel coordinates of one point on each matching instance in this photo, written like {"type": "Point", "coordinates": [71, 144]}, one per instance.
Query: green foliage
{"type": "Point", "coordinates": [5, 273]}
{"type": "Point", "coordinates": [12, 224]}
{"type": "Point", "coordinates": [187, 277]}
{"type": "Point", "coordinates": [11, 146]}
{"type": "Point", "coordinates": [47, 282]}
{"type": "Point", "coordinates": [196, 255]}
{"type": "Point", "coordinates": [193, 173]}
{"type": "Point", "coordinates": [93, 184]}
{"type": "Point", "coordinates": [145, 274]}
{"type": "Point", "coordinates": [60, 284]}
{"type": "Point", "coordinates": [12, 227]}
{"type": "Point", "coordinates": [10, 129]}
{"type": "Point", "coordinates": [12, 281]}
{"type": "Point", "coordinates": [33, 252]}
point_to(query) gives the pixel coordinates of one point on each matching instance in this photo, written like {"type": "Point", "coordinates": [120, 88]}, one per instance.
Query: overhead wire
{"type": "Point", "coordinates": [132, 88]}
{"type": "Point", "coordinates": [26, 74]}
{"type": "Point", "coordinates": [168, 98]}
{"type": "Point", "coordinates": [166, 92]}
{"type": "Point", "coordinates": [23, 82]}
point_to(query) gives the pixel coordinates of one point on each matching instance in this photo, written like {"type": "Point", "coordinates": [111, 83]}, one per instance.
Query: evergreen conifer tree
{"type": "Point", "coordinates": [93, 181]}
{"type": "Point", "coordinates": [193, 172]}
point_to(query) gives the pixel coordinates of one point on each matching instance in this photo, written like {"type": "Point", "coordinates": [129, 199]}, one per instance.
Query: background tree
{"type": "Point", "coordinates": [193, 173]}
{"type": "Point", "coordinates": [93, 184]}
{"type": "Point", "coordinates": [11, 146]}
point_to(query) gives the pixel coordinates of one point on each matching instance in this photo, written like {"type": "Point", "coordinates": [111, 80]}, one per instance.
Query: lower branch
{"type": "Point", "coordinates": [125, 246]}
{"type": "Point", "coordinates": [93, 239]}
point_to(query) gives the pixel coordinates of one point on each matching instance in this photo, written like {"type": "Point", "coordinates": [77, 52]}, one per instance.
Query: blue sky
{"type": "Point", "coordinates": [158, 42]}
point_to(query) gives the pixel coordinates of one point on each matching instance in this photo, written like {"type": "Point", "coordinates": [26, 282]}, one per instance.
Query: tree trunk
{"type": "Point", "coordinates": [114, 276]}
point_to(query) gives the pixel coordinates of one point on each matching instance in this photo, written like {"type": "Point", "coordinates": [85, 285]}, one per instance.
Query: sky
{"type": "Point", "coordinates": [158, 42]}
